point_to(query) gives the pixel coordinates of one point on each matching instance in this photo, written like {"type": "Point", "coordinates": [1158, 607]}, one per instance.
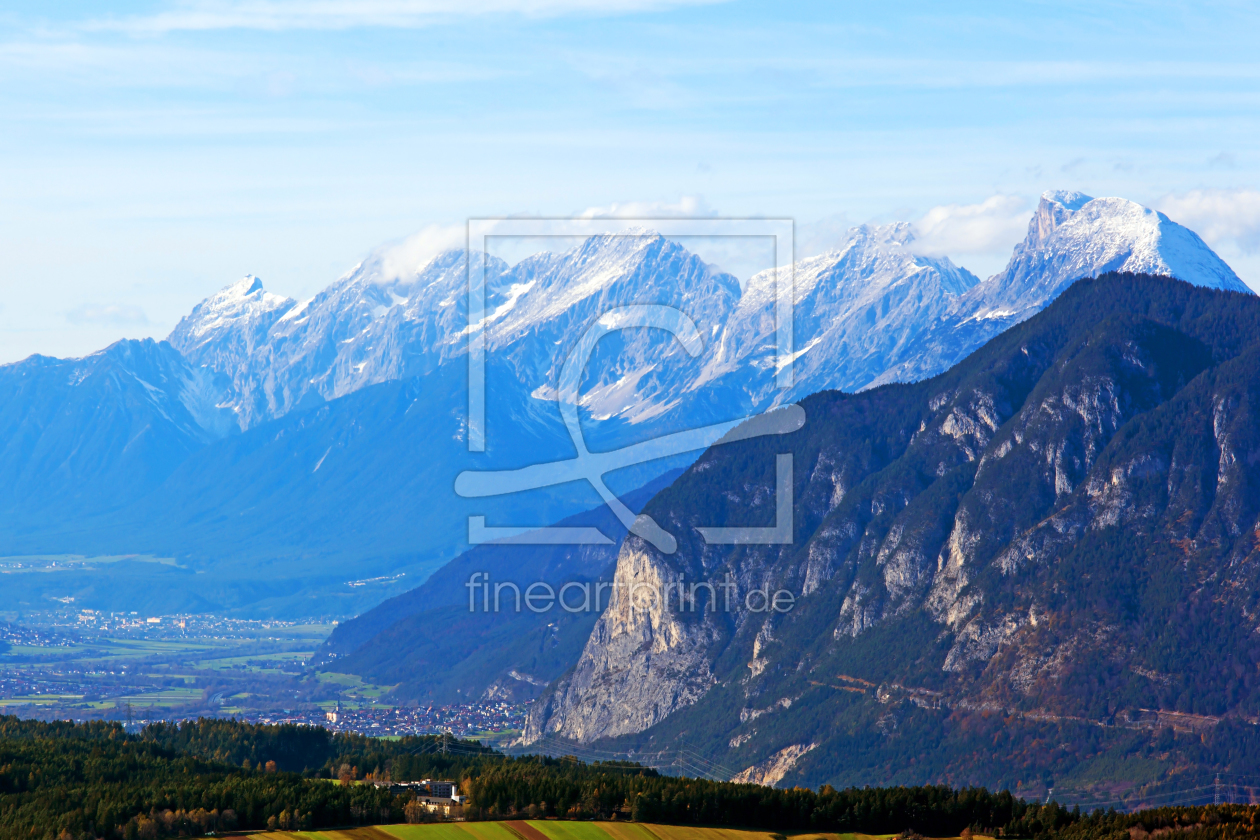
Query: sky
{"type": "Point", "coordinates": [152, 153]}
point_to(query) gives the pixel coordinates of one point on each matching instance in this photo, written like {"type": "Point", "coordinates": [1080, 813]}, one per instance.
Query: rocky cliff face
{"type": "Point", "coordinates": [1063, 525]}
{"type": "Point", "coordinates": [642, 661]}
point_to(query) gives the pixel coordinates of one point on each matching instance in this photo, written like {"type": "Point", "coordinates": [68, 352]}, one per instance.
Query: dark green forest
{"type": "Point", "coordinates": [67, 781]}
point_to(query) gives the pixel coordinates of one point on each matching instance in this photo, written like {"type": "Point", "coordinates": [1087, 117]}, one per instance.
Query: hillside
{"type": "Point", "coordinates": [1062, 529]}
{"type": "Point", "coordinates": [90, 434]}
{"type": "Point", "coordinates": [434, 649]}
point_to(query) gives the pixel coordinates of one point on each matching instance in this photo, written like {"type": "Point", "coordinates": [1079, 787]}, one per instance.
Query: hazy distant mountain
{"type": "Point", "coordinates": [1061, 531]}
{"type": "Point", "coordinates": [370, 326]}
{"type": "Point", "coordinates": [853, 307]}
{"type": "Point", "coordinates": [83, 435]}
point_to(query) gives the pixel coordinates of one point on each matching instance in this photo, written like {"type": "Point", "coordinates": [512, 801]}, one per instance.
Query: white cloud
{"type": "Point", "coordinates": [993, 226]}
{"type": "Point", "coordinates": [1219, 216]}
{"type": "Point", "coordinates": [280, 15]}
{"type": "Point", "coordinates": [108, 315]}
{"type": "Point", "coordinates": [983, 233]}
{"type": "Point", "coordinates": [736, 253]}
{"type": "Point", "coordinates": [403, 259]}
{"type": "Point", "coordinates": [742, 256]}
{"type": "Point", "coordinates": [686, 207]}
{"type": "Point", "coordinates": [824, 235]}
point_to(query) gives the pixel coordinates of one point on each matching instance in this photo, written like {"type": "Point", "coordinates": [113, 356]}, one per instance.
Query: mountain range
{"type": "Point", "coordinates": [279, 451]}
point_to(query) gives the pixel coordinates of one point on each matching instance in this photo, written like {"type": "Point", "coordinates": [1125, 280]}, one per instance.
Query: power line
{"type": "Point", "coordinates": [1191, 796]}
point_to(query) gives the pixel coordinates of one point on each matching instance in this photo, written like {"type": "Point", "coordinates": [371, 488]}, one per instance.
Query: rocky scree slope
{"type": "Point", "coordinates": [1065, 525]}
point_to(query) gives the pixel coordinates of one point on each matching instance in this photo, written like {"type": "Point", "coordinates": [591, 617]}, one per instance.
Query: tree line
{"type": "Point", "coordinates": [65, 781]}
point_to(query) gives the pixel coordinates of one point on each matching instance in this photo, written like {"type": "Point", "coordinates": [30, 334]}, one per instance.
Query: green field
{"type": "Point", "coordinates": [249, 666]}
{"type": "Point", "coordinates": [552, 830]}
{"type": "Point", "coordinates": [62, 562]}
{"type": "Point", "coordinates": [40, 700]}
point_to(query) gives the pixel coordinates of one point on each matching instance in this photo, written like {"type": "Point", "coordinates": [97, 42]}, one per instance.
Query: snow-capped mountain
{"type": "Point", "coordinates": [366, 327]}
{"type": "Point", "coordinates": [1069, 237]}
{"type": "Point", "coordinates": [371, 327]}
{"type": "Point", "coordinates": [225, 332]}
{"type": "Point", "coordinates": [635, 375]}
{"type": "Point", "coordinates": [1072, 235]}
{"type": "Point", "coordinates": [871, 312]}
{"type": "Point", "coordinates": [854, 308]}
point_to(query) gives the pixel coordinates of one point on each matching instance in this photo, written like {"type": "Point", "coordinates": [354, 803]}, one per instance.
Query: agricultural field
{"type": "Point", "coordinates": [85, 665]}
{"type": "Point", "coordinates": [118, 667]}
{"type": "Point", "coordinates": [549, 830]}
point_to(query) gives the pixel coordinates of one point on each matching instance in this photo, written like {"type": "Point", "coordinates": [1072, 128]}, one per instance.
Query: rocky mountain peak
{"type": "Point", "coordinates": [247, 285]}
{"type": "Point", "coordinates": [1055, 208]}
{"type": "Point", "coordinates": [242, 304]}
{"type": "Point", "coordinates": [891, 236]}
{"type": "Point", "coordinates": [1072, 235]}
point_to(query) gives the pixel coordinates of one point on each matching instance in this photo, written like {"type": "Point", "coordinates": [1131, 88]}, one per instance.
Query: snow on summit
{"type": "Point", "coordinates": [872, 311]}
{"type": "Point", "coordinates": [244, 301]}
{"type": "Point", "coordinates": [1072, 235]}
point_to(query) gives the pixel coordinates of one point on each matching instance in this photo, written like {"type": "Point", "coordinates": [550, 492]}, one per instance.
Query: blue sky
{"type": "Point", "coordinates": [152, 153]}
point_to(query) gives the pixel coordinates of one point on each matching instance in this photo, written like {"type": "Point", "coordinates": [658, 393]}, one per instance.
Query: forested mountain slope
{"type": "Point", "coordinates": [1063, 527]}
